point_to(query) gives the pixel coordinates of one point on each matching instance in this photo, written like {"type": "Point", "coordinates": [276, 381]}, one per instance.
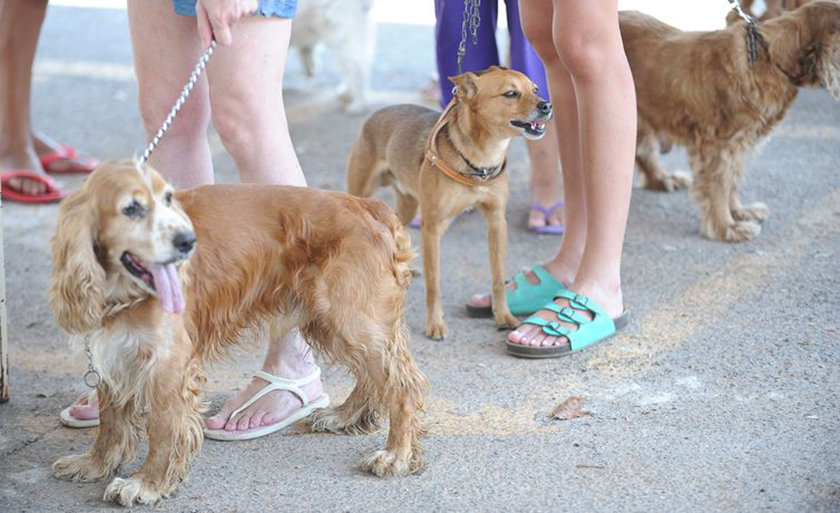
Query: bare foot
{"type": "Point", "coordinates": [542, 216]}
{"type": "Point", "coordinates": [485, 300]}
{"type": "Point", "coordinates": [86, 407]}
{"type": "Point", "coordinates": [72, 164]}
{"type": "Point", "coordinates": [531, 335]}
{"type": "Point", "coordinates": [17, 159]}
{"type": "Point", "coordinates": [269, 409]}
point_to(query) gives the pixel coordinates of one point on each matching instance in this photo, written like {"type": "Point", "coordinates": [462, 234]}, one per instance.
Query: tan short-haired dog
{"type": "Point", "coordinates": [160, 282]}
{"type": "Point", "coordinates": [447, 163]}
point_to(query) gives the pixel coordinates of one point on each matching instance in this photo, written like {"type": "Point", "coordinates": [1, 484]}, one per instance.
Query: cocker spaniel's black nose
{"type": "Point", "coordinates": [184, 241]}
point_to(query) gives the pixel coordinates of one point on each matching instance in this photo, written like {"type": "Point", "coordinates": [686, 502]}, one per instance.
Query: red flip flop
{"type": "Point", "coordinates": [51, 195]}
{"type": "Point", "coordinates": [67, 152]}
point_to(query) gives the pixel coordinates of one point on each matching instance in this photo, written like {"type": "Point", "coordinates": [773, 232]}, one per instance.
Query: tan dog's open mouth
{"type": "Point", "coordinates": [534, 129]}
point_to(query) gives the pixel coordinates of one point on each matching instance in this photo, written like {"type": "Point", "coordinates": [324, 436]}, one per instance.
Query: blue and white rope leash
{"type": "Point", "coordinates": [199, 67]}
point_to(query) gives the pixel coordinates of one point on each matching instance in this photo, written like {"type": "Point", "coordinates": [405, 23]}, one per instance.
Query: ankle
{"type": "Point", "coordinates": [291, 368]}
{"type": "Point", "coordinates": [605, 292]}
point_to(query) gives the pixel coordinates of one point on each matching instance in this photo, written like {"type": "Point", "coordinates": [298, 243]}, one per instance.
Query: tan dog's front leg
{"type": "Point", "coordinates": [497, 245]}
{"type": "Point", "coordinates": [433, 229]}
{"type": "Point", "coordinates": [115, 444]}
{"type": "Point", "coordinates": [174, 428]}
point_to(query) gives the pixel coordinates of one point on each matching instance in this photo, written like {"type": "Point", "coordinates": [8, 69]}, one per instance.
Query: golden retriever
{"type": "Point", "coordinates": [161, 282]}
{"type": "Point", "coordinates": [697, 90]}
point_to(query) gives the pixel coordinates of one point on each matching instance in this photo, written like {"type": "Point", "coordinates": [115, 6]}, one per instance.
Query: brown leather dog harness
{"type": "Point", "coordinates": [433, 155]}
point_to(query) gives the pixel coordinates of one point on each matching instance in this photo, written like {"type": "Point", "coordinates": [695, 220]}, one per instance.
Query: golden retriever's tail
{"type": "Point", "coordinates": [402, 252]}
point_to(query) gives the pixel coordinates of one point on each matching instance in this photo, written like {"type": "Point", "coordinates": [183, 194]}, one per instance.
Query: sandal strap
{"type": "Point", "coordinates": [547, 211]}
{"type": "Point", "coordinates": [278, 383]}
{"type": "Point", "coordinates": [569, 314]}
{"type": "Point", "coordinates": [552, 328]}
{"type": "Point", "coordinates": [528, 297]}
{"type": "Point", "coordinates": [566, 314]}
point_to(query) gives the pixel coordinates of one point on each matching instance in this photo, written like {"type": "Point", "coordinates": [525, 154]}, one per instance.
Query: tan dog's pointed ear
{"type": "Point", "coordinates": [77, 292]}
{"type": "Point", "coordinates": [465, 86]}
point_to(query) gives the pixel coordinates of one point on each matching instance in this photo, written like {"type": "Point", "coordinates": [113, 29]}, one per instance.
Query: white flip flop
{"type": "Point", "coordinates": [70, 421]}
{"type": "Point", "coordinates": [274, 383]}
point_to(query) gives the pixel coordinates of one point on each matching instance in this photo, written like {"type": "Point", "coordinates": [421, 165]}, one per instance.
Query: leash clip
{"type": "Point", "coordinates": [92, 378]}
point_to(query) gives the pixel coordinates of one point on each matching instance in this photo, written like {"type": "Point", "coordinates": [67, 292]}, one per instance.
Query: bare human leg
{"type": "Point", "coordinates": [20, 27]}
{"type": "Point", "coordinates": [588, 74]}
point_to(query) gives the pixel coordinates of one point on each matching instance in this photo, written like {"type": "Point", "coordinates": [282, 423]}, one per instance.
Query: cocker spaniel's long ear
{"type": "Point", "coordinates": [77, 290]}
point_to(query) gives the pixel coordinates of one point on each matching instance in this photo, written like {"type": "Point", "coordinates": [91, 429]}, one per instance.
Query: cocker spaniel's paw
{"type": "Point", "coordinates": [337, 420]}
{"type": "Point", "coordinates": [753, 212]}
{"type": "Point", "coordinates": [80, 467]}
{"type": "Point", "coordinates": [387, 463]}
{"type": "Point", "coordinates": [133, 490]}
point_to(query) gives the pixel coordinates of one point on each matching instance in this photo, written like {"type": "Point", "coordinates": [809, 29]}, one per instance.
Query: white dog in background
{"type": "Point", "coordinates": [345, 28]}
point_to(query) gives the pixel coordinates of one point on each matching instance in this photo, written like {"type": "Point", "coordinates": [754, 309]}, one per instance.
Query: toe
{"type": "Point", "coordinates": [480, 300]}
{"type": "Point", "coordinates": [221, 419]}
{"type": "Point", "coordinates": [519, 335]}
{"type": "Point", "coordinates": [256, 419]}
{"type": "Point", "coordinates": [244, 422]}
{"type": "Point", "coordinates": [215, 422]}
{"type": "Point", "coordinates": [84, 412]}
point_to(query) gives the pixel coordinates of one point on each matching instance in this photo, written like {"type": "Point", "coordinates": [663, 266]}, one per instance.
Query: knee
{"type": "Point", "coordinates": [155, 104]}
{"type": "Point", "coordinates": [238, 123]}
{"type": "Point", "coordinates": [585, 55]}
{"type": "Point", "coordinates": [538, 32]}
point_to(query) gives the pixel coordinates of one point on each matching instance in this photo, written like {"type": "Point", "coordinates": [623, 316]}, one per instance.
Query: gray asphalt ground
{"type": "Point", "coordinates": [721, 395]}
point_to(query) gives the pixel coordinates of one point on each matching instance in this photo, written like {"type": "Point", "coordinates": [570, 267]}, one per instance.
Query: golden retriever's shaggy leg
{"type": "Point", "coordinates": [115, 444]}
{"type": "Point", "coordinates": [174, 429]}
{"type": "Point", "coordinates": [358, 415]}
{"type": "Point", "coordinates": [402, 386]}
{"type": "Point", "coordinates": [655, 176]}
{"type": "Point", "coordinates": [715, 170]}
{"type": "Point", "coordinates": [756, 211]}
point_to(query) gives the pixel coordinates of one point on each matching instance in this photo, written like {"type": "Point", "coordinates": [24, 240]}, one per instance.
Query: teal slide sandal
{"type": "Point", "coordinates": [528, 297]}
{"type": "Point", "coordinates": [589, 331]}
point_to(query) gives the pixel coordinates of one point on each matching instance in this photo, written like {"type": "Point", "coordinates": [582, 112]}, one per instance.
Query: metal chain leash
{"type": "Point", "coordinates": [92, 377]}
{"type": "Point", "coordinates": [472, 18]}
{"type": "Point", "coordinates": [199, 67]}
{"type": "Point", "coordinates": [752, 32]}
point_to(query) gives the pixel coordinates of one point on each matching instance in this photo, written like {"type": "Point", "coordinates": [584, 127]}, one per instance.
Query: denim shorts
{"type": "Point", "coordinates": [268, 8]}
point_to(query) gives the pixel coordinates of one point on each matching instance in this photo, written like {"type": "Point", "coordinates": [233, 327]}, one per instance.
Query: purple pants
{"type": "Point", "coordinates": [450, 15]}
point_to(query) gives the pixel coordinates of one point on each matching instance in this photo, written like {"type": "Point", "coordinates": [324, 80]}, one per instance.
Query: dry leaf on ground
{"type": "Point", "coordinates": [570, 409]}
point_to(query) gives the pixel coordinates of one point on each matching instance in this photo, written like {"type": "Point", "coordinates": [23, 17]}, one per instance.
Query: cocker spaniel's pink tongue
{"type": "Point", "coordinates": [168, 287]}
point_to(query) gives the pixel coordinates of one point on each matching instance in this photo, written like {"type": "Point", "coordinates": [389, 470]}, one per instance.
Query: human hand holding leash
{"type": "Point", "coordinates": [216, 17]}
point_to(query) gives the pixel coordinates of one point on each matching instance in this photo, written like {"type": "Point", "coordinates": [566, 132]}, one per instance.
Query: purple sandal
{"type": "Point", "coordinates": [553, 229]}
